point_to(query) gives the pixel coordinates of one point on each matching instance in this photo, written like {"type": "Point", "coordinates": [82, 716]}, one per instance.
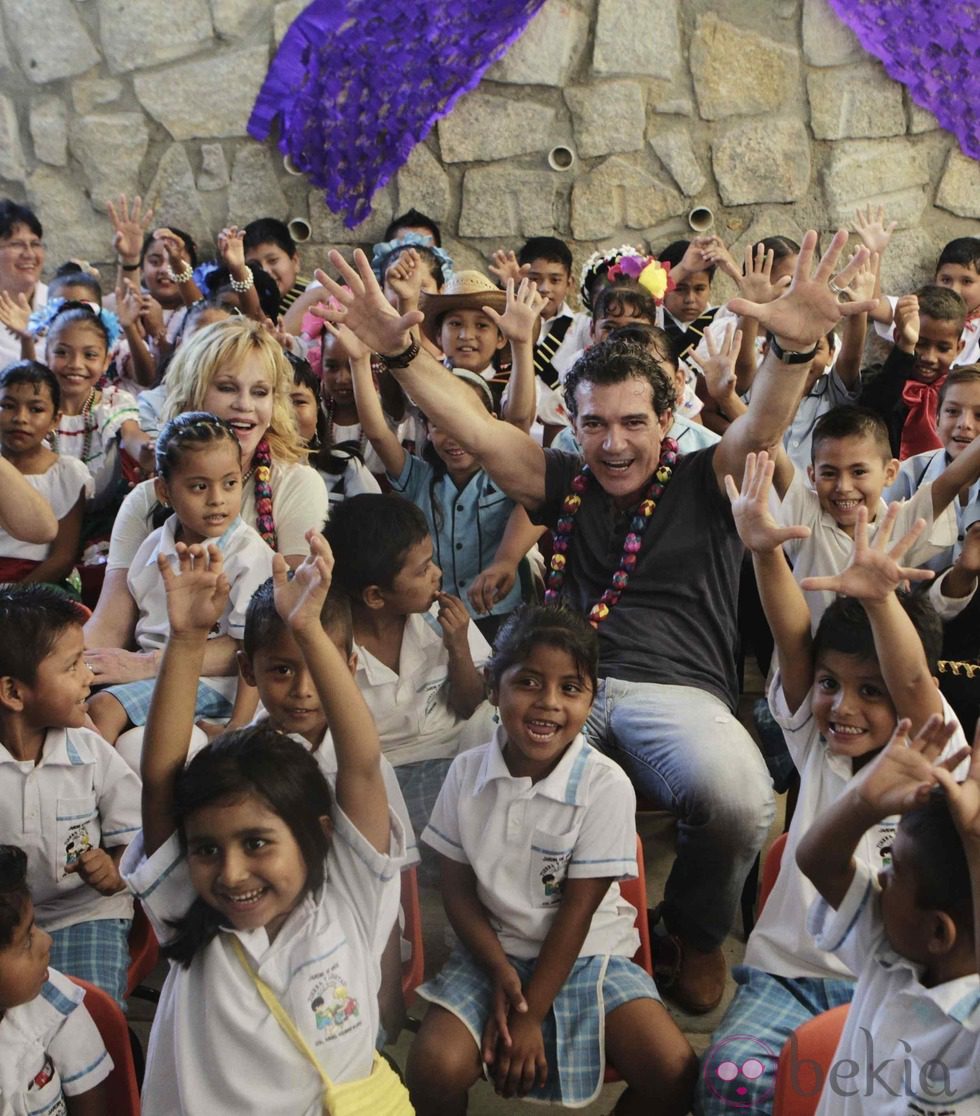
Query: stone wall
{"type": "Point", "coordinates": [767, 112]}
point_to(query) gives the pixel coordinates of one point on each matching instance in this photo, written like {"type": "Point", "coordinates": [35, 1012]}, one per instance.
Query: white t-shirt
{"type": "Point", "coordinates": [779, 943]}
{"type": "Point", "coordinates": [61, 486]}
{"type": "Point", "coordinates": [215, 1047]}
{"type": "Point", "coordinates": [410, 707]}
{"type": "Point", "coordinates": [905, 1049]}
{"type": "Point", "coordinates": [299, 502]}
{"type": "Point", "coordinates": [524, 839]}
{"type": "Point", "coordinates": [49, 1048]}
{"type": "Point", "coordinates": [80, 795]}
{"type": "Point", "coordinates": [247, 563]}
{"type": "Point", "coordinates": [828, 549]}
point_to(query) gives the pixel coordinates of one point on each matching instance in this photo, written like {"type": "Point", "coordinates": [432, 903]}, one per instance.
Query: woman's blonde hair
{"type": "Point", "coordinates": [224, 345]}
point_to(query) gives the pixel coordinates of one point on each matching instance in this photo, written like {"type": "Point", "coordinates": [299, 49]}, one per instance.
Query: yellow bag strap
{"type": "Point", "coordinates": [282, 1017]}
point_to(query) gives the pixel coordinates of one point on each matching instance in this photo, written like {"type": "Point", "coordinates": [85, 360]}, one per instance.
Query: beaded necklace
{"type": "Point", "coordinates": [262, 467]}
{"type": "Point", "coordinates": [328, 409]}
{"type": "Point", "coordinates": [89, 428]}
{"type": "Point", "coordinates": [562, 534]}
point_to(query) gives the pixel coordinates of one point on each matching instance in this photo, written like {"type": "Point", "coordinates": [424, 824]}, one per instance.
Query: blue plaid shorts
{"type": "Point", "coordinates": [135, 698]}
{"type": "Point", "coordinates": [96, 951]}
{"type": "Point", "coordinates": [574, 1028]}
{"type": "Point", "coordinates": [420, 784]}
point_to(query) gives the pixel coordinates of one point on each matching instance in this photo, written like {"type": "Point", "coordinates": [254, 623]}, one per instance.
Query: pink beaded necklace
{"type": "Point", "coordinates": [562, 535]}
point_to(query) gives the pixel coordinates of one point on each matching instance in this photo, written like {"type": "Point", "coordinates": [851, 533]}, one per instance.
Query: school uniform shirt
{"type": "Point", "coordinates": [215, 1047]}
{"type": "Point", "coordinates": [779, 944]}
{"type": "Point", "coordinates": [299, 502]}
{"type": "Point", "coordinates": [49, 1048]}
{"type": "Point", "coordinates": [467, 525]}
{"type": "Point", "coordinates": [61, 486]}
{"type": "Point", "coordinates": [575, 339]}
{"type": "Point", "coordinates": [827, 392]}
{"type": "Point", "coordinates": [524, 839]}
{"type": "Point", "coordinates": [78, 796]}
{"type": "Point", "coordinates": [410, 708]}
{"type": "Point", "coordinates": [924, 468]}
{"type": "Point", "coordinates": [916, 1049]}
{"type": "Point", "coordinates": [828, 549]}
{"type": "Point", "coordinates": [247, 564]}
{"type": "Point", "coordinates": [104, 423]}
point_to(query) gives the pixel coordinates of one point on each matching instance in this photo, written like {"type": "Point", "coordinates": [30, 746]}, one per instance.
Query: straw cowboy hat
{"type": "Point", "coordinates": [465, 290]}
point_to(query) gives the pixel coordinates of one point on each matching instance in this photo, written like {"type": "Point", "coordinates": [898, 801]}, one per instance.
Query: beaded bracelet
{"type": "Point", "coordinates": [241, 286]}
{"type": "Point", "coordinates": [179, 277]}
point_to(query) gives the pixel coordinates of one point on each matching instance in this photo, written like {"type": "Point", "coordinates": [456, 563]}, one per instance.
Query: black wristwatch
{"type": "Point", "coordinates": [403, 359]}
{"type": "Point", "coordinates": [787, 356]}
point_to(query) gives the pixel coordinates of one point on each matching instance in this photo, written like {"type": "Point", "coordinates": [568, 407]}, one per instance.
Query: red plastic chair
{"type": "Point", "coordinates": [123, 1095]}
{"type": "Point", "coordinates": [814, 1042]}
{"type": "Point", "coordinates": [770, 868]}
{"type": "Point", "coordinates": [635, 892]}
{"type": "Point", "coordinates": [144, 950]}
{"type": "Point", "coordinates": [413, 969]}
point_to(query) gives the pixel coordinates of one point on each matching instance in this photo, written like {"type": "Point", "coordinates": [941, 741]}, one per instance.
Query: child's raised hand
{"type": "Point", "coordinates": [129, 305]}
{"type": "Point", "coordinates": [508, 996]}
{"type": "Point", "coordinates": [521, 312]}
{"type": "Point", "coordinates": [356, 350]}
{"type": "Point", "coordinates": [15, 313]}
{"type": "Point", "coordinates": [862, 285]}
{"type": "Point", "coordinates": [964, 798]}
{"type": "Point", "coordinates": [405, 277]}
{"type": "Point", "coordinates": [97, 868]}
{"type": "Point", "coordinates": [454, 621]}
{"type": "Point", "coordinates": [504, 266]}
{"type": "Point", "coordinates": [871, 228]}
{"type": "Point", "coordinates": [197, 595]}
{"type": "Point", "coordinates": [231, 247]}
{"type": "Point", "coordinates": [363, 308]}
{"type": "Point", "coordinates": [809, 308]}
{"type": "Point", "coordinates": [714, 251]}
{"type": "Point", "coordinates": [718, 366]}
{"type": "Point", "coordinates": [173, 246]}
{"type": "Point", "coordinates": [754, 522]}
{"type": "Point", "coordinates": [907, 322]}
{"type": "Point", "coordinates": [874, 571]}
{"type": "Point", "coordinates": [755, 281]}
{"type": "Point", "coordinates": [130, 225]}
{"type": "Point", "coordinates": [151, 313]}
{"type": "Point", "coordinates": [299, 599]}
{"type": "Point", "coordinates": [899, 778]}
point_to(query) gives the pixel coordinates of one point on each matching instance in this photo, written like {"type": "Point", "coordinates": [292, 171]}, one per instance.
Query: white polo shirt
{"type": "Point", "coordinates": [828, 549]}
{"type": "Point", "coordinates": [523, 839]}
{"type": "Point", "coordinates": [49, 1048]}
{"type": "Point", "coordinates": [215, 1047]}
{"type": "Point", "coordinates": [779, 944]}
{"type": "Point", "coordinates": [248, 563]}
{"type": "Point", "coordinates": [410, 707]}
{"type": "Point", "coordinates": [912, 1049]}
{"type": "Point", "coordinates": [79, 795]}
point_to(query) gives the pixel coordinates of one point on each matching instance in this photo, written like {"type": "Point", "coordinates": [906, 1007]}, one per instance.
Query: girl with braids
{"type": "Point", "coordinates": [199, 475]}
{"type": "Point", "coordinates": [236, 370]}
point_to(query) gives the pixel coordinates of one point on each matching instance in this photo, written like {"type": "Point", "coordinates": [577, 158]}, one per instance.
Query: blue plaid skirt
{"type": "Point", "coordinates": [135, 697]}
{"type": "Point", "coordinates": [573, 1030]}
{"type": "Point", "coordinates": [96, 951]}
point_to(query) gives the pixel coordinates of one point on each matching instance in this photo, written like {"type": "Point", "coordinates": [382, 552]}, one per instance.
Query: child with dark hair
{"type": "Point", "coordinates": [852, 467]}
{"type": "Point", "coordinates": [270, 245]}
{"type": "Point", "coordinates": [199, 475]}
{"type": "Point", "coordinates": [928, 328]}
{"type": "Point", "coordinates": [66, 797]}
{"type": "Point", "coordinates": [533, 831]}
{"type": "Point", "coordinates": [412, 221]}
{"type": "Point", "coordinates": [909, 932]}
{"type": "Point", "coordinates": [30, 402]}
{"type": "Point", "coordinates": [686, 311]}
{"type": "Point", "coordinates": [52, 1058]}
{"type": "Point", "coordinates": [837, 696]}
{"type": "Point", "coordinates": [418, 652]}
{"type": "Point", "coordinates": [268, 893]}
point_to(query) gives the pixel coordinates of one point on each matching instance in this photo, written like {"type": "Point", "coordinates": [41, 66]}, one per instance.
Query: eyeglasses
{"type": "Point", "coordinates": [21, 246]}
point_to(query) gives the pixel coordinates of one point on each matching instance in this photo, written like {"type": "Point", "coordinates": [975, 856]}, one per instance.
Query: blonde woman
{"type": "Point", "coordinates": [236, 370]}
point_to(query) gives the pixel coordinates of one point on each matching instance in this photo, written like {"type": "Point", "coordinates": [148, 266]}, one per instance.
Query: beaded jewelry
{"type": "Point", "coordinates": [241, 286]}
{"type": "Point", "coordinates": [562, 535]}
{"type": "Point", "coordinates": [329, 406]}
{"type": "Point", "coordinates": [85, 412]}
{"type": "Point", "coordinates": [262, 464]}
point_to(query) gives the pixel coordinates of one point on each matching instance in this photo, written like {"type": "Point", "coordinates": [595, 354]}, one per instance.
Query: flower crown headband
{"type": "Point", "coordinates": [652, 275]}
{"type": "Point", "coordinates": [591, 267]}
{"type": "Point", "coordinates": [410, 240]}
{"type": "Point", "coordinates": [41, 319]}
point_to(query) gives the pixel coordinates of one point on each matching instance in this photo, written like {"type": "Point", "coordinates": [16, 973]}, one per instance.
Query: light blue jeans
{"type": "Point", "coordinates": [687, 753]}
